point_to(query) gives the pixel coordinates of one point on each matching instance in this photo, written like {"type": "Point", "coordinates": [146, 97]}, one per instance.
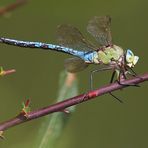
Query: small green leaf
{"type": "Point", "coordinates": [1, 71]}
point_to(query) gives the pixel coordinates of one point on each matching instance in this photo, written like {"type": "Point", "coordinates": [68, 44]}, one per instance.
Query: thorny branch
{"type": "Point", "coordinates": [60, 106]}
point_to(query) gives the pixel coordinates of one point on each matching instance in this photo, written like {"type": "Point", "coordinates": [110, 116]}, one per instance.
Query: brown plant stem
{"type": "Point", "coordinates": [60, 106]}
{"type": "Point", "coordinates": [12, 6]}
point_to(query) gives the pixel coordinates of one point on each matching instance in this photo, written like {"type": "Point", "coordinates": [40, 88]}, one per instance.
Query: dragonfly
{"type": "Point", "coordinates": [106, 53]}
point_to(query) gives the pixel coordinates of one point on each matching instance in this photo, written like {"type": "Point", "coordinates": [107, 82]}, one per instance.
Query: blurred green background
{"type": "Point", "coordinates": [101, 123]}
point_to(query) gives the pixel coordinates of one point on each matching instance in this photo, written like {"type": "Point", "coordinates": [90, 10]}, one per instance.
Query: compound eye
{"type": "Point", "coordinates": [136, 58]}
{"type": "Point", "coordinates": [129, 56]}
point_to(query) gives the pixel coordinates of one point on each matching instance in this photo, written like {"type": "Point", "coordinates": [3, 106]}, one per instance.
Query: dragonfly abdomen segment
{"type": "Point", "coordinates": [32, 44]}
{"type": "Point", "coordinates": [41, 45]}
{"type": "Point", "coordinates": [87, 56]}
{"type": "Point", "coordinates": [91, 57]}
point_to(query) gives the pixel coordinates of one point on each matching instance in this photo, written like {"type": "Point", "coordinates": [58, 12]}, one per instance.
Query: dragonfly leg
{"type": "Point", "coordinates": [134, 74]}
{"type": "Point", "coordinates": [115, 97]}
{"type": "Point", "coordinates": [112, 77]}
{"type": "Point", "coordinates": [111, 81]}
{"type": "Point", "coordinates": [120, 83]}
{"type": "Point", "coordinates": [121, 75]}
{"type": "Point", "coordinates": [94, 71]}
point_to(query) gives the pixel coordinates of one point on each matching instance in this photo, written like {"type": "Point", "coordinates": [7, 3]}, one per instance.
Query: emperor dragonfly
{"type": "Point", "coordinates": [71, 41]}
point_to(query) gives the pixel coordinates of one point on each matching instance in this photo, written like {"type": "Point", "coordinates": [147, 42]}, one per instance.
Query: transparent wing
{"type": "Point", "coordinates": [70, 36]}
{"type": "Point", "coordinates": [99, 27]}
{"type": "Point", "coordinates": [75, 64]}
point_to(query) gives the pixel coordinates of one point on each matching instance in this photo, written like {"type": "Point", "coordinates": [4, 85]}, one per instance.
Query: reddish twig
{"type": "Point", "coordinates": [11, 7]}
{"type": "Point", "coordinates": [58, 107]}
{"type": "Point", "coordinates": [6, 72]}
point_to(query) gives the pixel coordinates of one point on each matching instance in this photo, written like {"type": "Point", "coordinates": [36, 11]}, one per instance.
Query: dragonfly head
{"type": "Point", "coordinates": [131, 59]}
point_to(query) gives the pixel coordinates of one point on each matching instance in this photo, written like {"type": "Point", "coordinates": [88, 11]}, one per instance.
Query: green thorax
{"type": "Point", "coordinates": [109, 54]}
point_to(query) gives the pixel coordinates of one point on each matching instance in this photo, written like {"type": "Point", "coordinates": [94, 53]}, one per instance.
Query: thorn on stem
{"type": "Point", "coordinates": [26, 108]}
{"type": "Point", "coordinates": [66, 111]}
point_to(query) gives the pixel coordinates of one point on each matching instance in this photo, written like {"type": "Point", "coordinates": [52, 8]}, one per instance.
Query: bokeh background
{"type": "Point", "coordinates": [101, 123]}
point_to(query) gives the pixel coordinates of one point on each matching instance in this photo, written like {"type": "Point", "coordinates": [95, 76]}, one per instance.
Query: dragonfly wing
{"type": "Point", "coordinates": [71, 37]}
{"type": "Point", "coordinates": [99, 27]}
{"type": "Point", "coordinates": [75, 64]}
